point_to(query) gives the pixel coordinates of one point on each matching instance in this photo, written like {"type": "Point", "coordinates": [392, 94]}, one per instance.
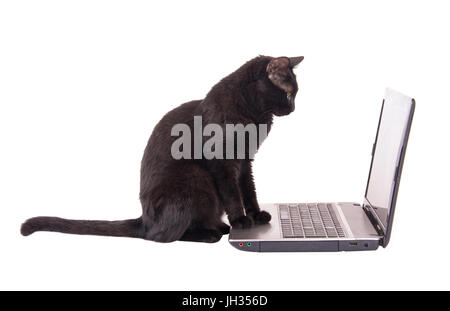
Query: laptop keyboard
{"type": "Point", "coordinates": [313, 220]}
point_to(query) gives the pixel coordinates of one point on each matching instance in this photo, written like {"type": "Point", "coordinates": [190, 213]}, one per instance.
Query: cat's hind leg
{"type": "Point", "coordinates": [182, 206]}
{"type": "Point", "coordinates": [224, 228]}
{"type": "Point", "coordinates": [201, 235]}
{"type": "Point", "coordinates": [167, 222]}
{"type": "Point", "coordinates": [205, 234]}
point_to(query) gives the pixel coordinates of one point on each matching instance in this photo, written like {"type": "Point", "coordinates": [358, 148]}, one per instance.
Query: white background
{"type": "Point", "coordinates": [83, 83]}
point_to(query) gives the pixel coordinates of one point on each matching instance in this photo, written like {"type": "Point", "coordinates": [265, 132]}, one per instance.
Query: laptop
{"type": "Point", "coordinates": [343, 226]}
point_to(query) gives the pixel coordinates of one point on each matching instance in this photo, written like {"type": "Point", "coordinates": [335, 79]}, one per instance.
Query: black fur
{"type": "Point", "coordinates": [185, 199]}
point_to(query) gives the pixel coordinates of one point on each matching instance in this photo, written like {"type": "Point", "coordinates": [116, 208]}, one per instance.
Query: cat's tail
{"type": "Point", "coordinates": [121, 228]}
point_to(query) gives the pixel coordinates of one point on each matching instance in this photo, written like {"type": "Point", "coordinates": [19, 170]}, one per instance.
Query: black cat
{"type": "Point", "coordinates": [185, 199]}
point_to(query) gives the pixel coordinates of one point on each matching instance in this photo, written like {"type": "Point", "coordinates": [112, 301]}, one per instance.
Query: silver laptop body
{"type": "Point", "coordinates": [344, 226]}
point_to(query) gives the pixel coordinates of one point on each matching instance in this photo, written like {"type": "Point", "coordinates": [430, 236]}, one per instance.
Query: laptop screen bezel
{"type": "Point", "coordinates": [386, 230]}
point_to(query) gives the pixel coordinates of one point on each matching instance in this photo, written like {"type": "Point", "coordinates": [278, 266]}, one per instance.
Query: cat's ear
{"type": "Point", "coordinates": [277, 71]}
{"type": "Point", "coordinates": [282, 63]}
{"type": "Point", "coordinates": [294, 61]}
{"type": "Point", "coordinates": [277, 64]}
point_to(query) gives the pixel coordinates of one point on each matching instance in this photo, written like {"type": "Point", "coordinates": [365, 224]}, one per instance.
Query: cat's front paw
{"type": "Point", "coordinates": [243, 222]}
{"type": "Point", "coordinates": [260, 217]}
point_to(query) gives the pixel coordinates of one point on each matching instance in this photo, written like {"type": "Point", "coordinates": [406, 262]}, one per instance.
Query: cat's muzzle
{"type": "Point", "coordinates": [291, 101]}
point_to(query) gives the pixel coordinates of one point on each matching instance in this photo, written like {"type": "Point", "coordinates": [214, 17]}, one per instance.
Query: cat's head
{"type": "Point", "coordinates": [284, 84]}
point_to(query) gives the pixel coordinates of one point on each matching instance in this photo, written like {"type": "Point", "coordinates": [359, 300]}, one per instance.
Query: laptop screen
{"type": "Point", "coordinates": [391, 136]}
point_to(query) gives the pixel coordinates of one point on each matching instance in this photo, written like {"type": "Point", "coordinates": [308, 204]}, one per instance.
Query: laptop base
{"type": "Point", "coordinates": [359, 234]}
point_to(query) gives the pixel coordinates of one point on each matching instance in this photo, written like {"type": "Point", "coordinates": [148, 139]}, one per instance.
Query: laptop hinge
{"type": "Point", "coordinates": [373, 219]}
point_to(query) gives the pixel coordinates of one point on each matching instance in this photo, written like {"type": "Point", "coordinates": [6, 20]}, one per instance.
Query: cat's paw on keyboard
{"type": "Point", "coordinates": [260, 217]}
{"type": "Point", "coordinates": [243, 222]}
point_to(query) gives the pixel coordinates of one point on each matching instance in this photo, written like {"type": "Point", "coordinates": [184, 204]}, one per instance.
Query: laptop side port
{"type": "Point", "coordinates": [358, 245]}
{"type": "Point", "coordinates": [246, 246]}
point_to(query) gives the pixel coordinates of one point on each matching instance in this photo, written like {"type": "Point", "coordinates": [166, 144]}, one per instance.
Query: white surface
{"type": "Point", "coordinates": [83, 83]}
